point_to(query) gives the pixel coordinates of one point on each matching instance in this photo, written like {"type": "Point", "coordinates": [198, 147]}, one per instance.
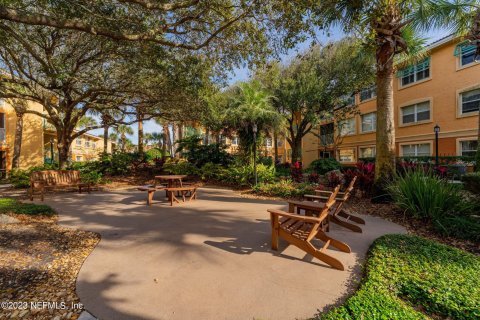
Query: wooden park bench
{"type": "Point", "coordinates": [186, 192]}
{"type": "Point", "coordinates": [300, 230]}
{"type": "Point", "coordinates": [150, 189]}
{"type": "Point", "coordinates": [55, 179]}
{"type": "Point", "coordinates": [342, 197]}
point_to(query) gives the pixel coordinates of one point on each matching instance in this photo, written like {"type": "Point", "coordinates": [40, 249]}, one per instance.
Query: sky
{"type": "Point", "coordinates": [243, 73]}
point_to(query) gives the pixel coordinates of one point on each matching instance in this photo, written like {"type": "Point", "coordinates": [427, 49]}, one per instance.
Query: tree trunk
{"type": "Point", "coordinates": [385, 135]}
{"type": "Point", "coordinates": [275, 146]}
{"type": "Point", "coordinates": [174, 140]}
{"type": "Point", "coordinates": [140, 132]}
{"type": "Point", "coordinates": [105, 139]}
{"type": "Point", "coordinates": [167, 144]}
{"type": "Point", "coordinates": [296, 145]}
{"type": "Point", "coordinates": [477, 156]}
{"type": "Point", "coordinates": [207, 133]}
{"type": "Point", "coordinates": [17, 147]}
{"type": "Point", "coordinates": [63, 145]}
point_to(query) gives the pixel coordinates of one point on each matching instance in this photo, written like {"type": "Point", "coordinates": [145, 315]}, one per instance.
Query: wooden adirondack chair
{"type": "Point", "coordinates": [341, 198]}
{"type": "Point", "coordinates": [300, 230]}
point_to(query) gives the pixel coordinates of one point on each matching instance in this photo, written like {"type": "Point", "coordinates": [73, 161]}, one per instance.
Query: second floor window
{"type": "Point", "coordinates": [94, 145]}
{"type": "Point", "coordinates": [368, 93]}
{"type": "Point", "coordinates": [369, 122]}
{"type": "Point", "coordinates": [470, 101]}
{"type": "Point", "coordinates": [79, 142]}
{"type": "Point", "coordinates": [87, 143]}
{"type": "Point", "coordinates": [235, 141]}
{"type": "Point", "coordinates": [268, 142]}
{"type": "Point", "coordinates": [2, 127]}
{"type": "Point", "coordinates": [346, 127]}
{"type": "Point", "coordinates": [417, 72]}
{"type": "Point", "coordinates": [467, 55]}
{"type": "Point", "coordinates": [416, 113]}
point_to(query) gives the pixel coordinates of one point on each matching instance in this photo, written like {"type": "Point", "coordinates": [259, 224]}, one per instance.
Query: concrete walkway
{"type": "Point", "coordinates": [209, 259]}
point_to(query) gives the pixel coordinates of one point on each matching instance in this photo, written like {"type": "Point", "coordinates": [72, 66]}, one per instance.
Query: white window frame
{"type": "Point", "coordinates": [234, 141]}
{"type": "Point", "coordinates": [268, 142]}
{"type": "Point", "coordinates": [460, 112]}
{"type": "Point", "coordinates": [374, 123]}
{"type": "Point", "coordinates": [341, 128]}
{"type": "Point", "coordinates": [366, 147]}
{"type": "Point", "coordinates": [459, 143]}
{"type": "Point", "coordinates": [373, 94]}
{"type": "Point", "coordinates": [415, 80]}
{"type": "Point", "coordinates": [415, 103]}
{"type": "Point", "coordinates": [429, 142]}
{"type": "Point", "coordinates": [460, 64]}
{"type": "Point", "coordinates": [354, 155]}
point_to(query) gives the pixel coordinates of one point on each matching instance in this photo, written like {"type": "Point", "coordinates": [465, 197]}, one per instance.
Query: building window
{"type": "Point", "coordinates": [94, 145]}
{"type": "Point", "coordinates": [79, 142]}
{"type": "Point", "coordinates": [468, 148]}
{"type": "Point", "coordinates": [87, 143]}
{"type": "Point", "coordinates": [467, 55]}
{"type": "Point", "coordinates": [348, 100]}
{"type": "Point", "coordinates": [470, 101]}
{"type": "Point", "coordinates": [346, 155]}
{"type": "Point", "coordinates": [368, 93]}
{"type": "Point", "coordinates": [2, 127]}
{"type": "Point", "coordinates": [268, 142]}
{"type": "Point", "coordinates": [346, 127]}
{"type": "Point", "coordinates": [368, 152]}
{"type": "Point", "coordinates": [79, 158]}
{"type": "Point", "coordinates": [235, 141]}
{"type": "Point", "coordinates": [324, 155]}
{"type": "Point", "coordinates": [369, 122]}
{"type": "Point", "coordinates": [416, 150]}
{"type": "Point", "coordinates": [223, 140]}
{"type": "Point", "coordinates": [416, 113]}
{"type": "Point", "coordinates": [416, 72]}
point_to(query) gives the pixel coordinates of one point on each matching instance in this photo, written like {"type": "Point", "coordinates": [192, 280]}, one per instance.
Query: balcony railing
{"type": "Point", "coordinates": [326, 139]}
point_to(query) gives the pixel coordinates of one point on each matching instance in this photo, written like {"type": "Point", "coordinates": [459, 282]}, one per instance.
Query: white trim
{"type": "Point", "coordinates": [366, 146]}
{"type": "Point", "coordinates": [459, 101]}
{"type": "Point", "coordinates": [458, 140]}
{"type": "Point", "coordinates": [361, 122]}
{"type": "Point", "coordinates": [400, 151]}
{"type": "Point", "coordinates": [411, 103]}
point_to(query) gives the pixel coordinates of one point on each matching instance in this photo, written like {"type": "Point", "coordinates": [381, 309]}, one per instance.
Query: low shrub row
{"type": "Point", "coordinates": [408, 277]}
{"type": "Point", "coordinates": [8, 205]}
{"type": "Point", "coordinates": [284, 189]}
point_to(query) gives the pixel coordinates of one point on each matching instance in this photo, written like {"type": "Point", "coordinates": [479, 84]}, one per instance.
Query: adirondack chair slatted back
{"type": "Point", "coordinates": [329, 203]}
{"type": "Point", "coordinates": [56, 177]}
{"type": "Point", "coordinates": [349, 189]}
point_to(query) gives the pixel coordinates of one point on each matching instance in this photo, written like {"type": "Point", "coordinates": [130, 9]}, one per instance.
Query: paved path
{"type": "Point", "coordinates": [205, 260]}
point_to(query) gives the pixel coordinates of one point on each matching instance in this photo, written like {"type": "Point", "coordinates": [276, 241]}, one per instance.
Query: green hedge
{"type": "Point", "coordinates": [8, 205]}
{"type": "Point", "coordinates": [408, 277]}
{"type": "Point", "coordinates": [472, 182]}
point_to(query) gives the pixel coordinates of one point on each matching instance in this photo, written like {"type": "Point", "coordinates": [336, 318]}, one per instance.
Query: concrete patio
{"type": "Point", "coordinates": [209, 259]}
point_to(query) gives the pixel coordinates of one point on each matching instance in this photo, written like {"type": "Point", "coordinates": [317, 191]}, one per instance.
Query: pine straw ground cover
{"type": "Point", "coordinates": [39, 262]}
{"type": "Point", "coordinates": [409, 277]}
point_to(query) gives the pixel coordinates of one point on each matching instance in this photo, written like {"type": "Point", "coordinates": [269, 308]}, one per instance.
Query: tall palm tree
{"type": "Point", "coordinates": [252, 110]}
{"type": "Point", "coordinates": [391, 28]}
{"type": "Point", "coordinates": [120, 135]}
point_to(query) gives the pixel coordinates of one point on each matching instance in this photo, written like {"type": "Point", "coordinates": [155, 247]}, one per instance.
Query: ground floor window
{"type": "Point", "coordinates": [346, 155]}
{"type": "Point", "coordinates": [79, 158]}
{"type": "Point", "coordinates": [367, 152]}
{"type": "Point", "coordinates": [416, 150]}
{"type": "Point", "coordinates": [324, 154]}
{"type": "Point", "coordinates": [468, 148]}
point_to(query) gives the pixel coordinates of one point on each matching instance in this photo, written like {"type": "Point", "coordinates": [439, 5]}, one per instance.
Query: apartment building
{"type": "Point", "coordinates": [39, 139]}
{"type": "Point", "coordinates": [443, 89]}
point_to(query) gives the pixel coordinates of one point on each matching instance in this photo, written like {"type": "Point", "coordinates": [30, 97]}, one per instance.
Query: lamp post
{"type": "Point", "coordinates": [255, 151]}
{"type": "Point", "coordinates": [51, 150]}
{"type": "Point", "coordinates": [436, 129]}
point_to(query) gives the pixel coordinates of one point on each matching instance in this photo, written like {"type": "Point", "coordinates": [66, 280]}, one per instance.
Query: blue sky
{"type": "Point", "coordinates": [243, 73]}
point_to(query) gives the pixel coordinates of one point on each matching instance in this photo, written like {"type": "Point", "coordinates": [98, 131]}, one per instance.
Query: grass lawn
{"type": "Point", "coordinates": [8, 205]}
{"type": "Point", "coordinates": [408, 277]}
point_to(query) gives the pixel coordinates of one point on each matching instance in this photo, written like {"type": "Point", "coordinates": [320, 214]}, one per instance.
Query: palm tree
{"type": "Point", "coordinates": [167, 140]}
{"type": "Point", "coordinates": [120, 135]}
{"type": "Point", "coordinates": [252, 110]}
{"type": "Point", "coordinates": [390, 28]}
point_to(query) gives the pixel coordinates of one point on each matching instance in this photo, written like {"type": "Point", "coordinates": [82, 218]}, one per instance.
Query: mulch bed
{"type": "Point", "coordinates": [39, 262]}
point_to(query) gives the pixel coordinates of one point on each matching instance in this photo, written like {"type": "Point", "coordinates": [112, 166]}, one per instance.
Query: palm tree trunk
{"type": "Point", "coordinates": [385, 135]}
{"type": "Point", "coordinates": [140, 132]}
{"type": "Point", "coordinates": [17, 147]}
{"type": "Point", "coordinates": [105, 139]}
{"type": "Point", "coordinates": [275, 146]}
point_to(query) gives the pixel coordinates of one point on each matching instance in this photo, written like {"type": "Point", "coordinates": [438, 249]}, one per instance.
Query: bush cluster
{"type": "Point", "coordinates": [284, 189]}
{"type": "Point", "coordinates": [322, 166]}
{"type": "Point", "coordinates": [8, 205]}
{"type": "Point", "coordinates": [472, 182]}
{"type": "Point", "coordinates": [409, 277]}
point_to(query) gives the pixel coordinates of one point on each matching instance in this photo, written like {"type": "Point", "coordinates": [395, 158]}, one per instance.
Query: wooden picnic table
{"type": "Point", "coordinates": [172, 179]}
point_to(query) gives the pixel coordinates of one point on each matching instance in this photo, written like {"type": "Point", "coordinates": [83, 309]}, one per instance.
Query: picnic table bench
{"type": "Point", "coordinates": [55, 179]}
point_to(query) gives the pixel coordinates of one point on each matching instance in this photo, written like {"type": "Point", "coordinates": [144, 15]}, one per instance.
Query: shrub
{"type": "Point", "coordinates": [424, 195]}
{"type": "Point", "coordinates": [296, 171]}
{"type": "Point", "coordinates": [365, 173]}
{"type": "Point", "coordinates": [153, 154]}
{"type": "Point", "coordinates": [322, 166]}
{"type": "Point", "coordinates": [191, 149]}
{"type": "Point", "coordinates": [472, 182]}
{"type": "Point", "coordinates": [212, 171]}
{"type": "Point", "coordinates": [460, 227]}
{"type": "Point", "coordinates": [314, 177]}
{"type": "Point", "coordinates": [334, 178]}
{"type": "Point", "coordinates": [438, 280]}
{"type": "Point", "coordinates": [20, 178]}
{"type": "Point", "coordinates": [283, 170]}
{"type": "Point", "coordinates": [118, 163]}
{"type": "Point", "coordinates": [92, 177]}
{"type": "Point", "coordinates": [8, 205]}
{"type": "Point", "coordinates": [243, 175]}
{"type": "Point", "coordinates": [174, 166]}
{"type": "Point", "coordinates": [284, 189]}
{"type": "Point", "coordinates": [268, 161]}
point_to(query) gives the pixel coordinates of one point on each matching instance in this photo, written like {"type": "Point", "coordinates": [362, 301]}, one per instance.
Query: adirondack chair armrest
{"type": "Point", "coordinates": [328, 192]}
{"type": "Point", "coordinates": [294, 216]}
{"type": "Point", "coordinates": [311, 196]}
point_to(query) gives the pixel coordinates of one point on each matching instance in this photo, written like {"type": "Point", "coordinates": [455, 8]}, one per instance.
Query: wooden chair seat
{"type": "Point", "coordinates": [300, 230]}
